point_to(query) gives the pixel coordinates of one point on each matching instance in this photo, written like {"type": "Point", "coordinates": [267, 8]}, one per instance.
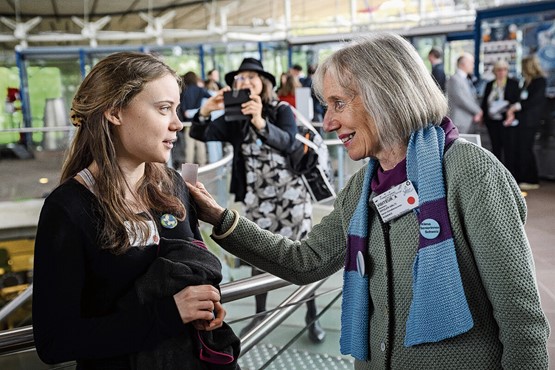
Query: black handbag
{"type": "Point", "coordinates": [310, 160]}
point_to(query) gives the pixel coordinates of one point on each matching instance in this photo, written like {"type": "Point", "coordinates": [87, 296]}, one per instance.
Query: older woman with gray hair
{"type": "Point", "coordinates": [438, 272]}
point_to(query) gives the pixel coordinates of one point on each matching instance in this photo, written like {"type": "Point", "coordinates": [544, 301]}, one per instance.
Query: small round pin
{"type": "Point", "coordinates": [429, 228]}
{"type": "Point", "coordinates": [168, 221]}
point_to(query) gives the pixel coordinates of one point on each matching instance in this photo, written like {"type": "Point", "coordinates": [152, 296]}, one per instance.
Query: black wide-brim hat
{"type": "Point", "coordinates": [250, 64]}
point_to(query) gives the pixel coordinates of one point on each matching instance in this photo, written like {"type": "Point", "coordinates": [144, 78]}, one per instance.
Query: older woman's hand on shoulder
{"type": "Point", "coordinates": [208, 210]}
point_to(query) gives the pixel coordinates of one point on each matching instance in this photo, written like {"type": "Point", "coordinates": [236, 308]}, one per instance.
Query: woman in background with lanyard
{"type": "Point", "coordinates": [498, 96]}
{"type": "Point", "coordinates": [528, 113]}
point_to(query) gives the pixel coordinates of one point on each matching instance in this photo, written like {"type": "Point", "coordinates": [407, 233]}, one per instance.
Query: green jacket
{"type": "Point", "coordinates": [487, 214]}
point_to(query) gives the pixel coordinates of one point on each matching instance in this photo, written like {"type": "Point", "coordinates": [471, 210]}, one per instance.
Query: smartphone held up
{"type": "Point", "coordinates": [232, 104]}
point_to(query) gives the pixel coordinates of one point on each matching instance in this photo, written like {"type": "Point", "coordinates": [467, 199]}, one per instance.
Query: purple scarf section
{"type": "Point", "coordinates": [385, 180]}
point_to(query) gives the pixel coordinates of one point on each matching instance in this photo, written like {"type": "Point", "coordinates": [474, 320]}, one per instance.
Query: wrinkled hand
{"type": "Point", "coordinates": [215, 102]}
{"type": "Point", "coordinates": [208, 210]}
{"type": "Point", "coordinates": [197, 302]}
{"type": "Point", "coordinates": [217, 322]}
{"type": "Point", "coordinates": [254, 108]}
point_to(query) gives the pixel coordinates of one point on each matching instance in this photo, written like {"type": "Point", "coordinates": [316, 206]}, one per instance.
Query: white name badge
{"type": "Point", "coordinates": [396, 201]}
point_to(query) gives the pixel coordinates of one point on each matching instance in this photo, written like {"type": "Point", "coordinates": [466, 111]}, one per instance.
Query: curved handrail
{"type": "Point", "coordinates": [268, 324]}
{"type": "Point", "coordinates": [16, 302]}
{"type": "Point", "coordinates": [215, 165]}
{"type": "Point", "coordinates": [22, 338]}
{"type": "Point", "coordinates": [17, 339]}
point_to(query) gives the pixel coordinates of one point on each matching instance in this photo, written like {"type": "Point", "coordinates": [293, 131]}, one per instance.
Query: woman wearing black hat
{"type": "Point", "coordinates": [274, 198]}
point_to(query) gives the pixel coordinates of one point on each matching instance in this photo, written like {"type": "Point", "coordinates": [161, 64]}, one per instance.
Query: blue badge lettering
{"type": "Point", "coordinates": [429, 228]}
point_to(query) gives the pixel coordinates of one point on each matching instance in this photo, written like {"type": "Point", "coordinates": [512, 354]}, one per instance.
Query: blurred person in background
{"type": "Point", "coordinates": [212, 82]}
{"type": "Point", "coordinates": [273, 196]}
{"type": "Point", "coordinates": [316, 104]}
{"type": "Point", "coordinates": [464, 109]}
{"type": "Point", "coordinates": [192, 97]}
{"type": "Point", "coordinates": [287, 92]}
{"type": "Point", "coordinates": [435, 56]}
{"type": "Point", "coordinates": [296, 71]}
{"type": "Point", "coordinates": [499, 94]}
{"type": "Point", "coordinates": [528, 113]}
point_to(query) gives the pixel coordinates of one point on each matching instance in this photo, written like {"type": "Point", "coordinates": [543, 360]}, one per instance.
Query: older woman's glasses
{"type": "Point", "coordinates": [339, 105]}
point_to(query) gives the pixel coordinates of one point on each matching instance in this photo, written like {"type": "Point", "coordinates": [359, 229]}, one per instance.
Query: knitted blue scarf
{"type": "Point", "coordinates": [439, 309]}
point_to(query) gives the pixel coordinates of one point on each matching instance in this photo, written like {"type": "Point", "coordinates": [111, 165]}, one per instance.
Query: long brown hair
{"type": "Point", "coordinates": [110, 86]}
{"type": "Point", "coordinates": [291, 83]}
{"type": "Point", "coordinates": [531, 68]}
{"type": "Point", "coordinates": [267, 95]}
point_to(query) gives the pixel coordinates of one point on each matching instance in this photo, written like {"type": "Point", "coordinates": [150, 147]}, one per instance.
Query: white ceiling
{"type": "Point", "coordinates": [108, 22]}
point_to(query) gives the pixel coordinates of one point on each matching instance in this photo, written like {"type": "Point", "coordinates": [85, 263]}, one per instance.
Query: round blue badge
{"type": "Point", "coordinates": [429, 228]}
{"type": "Point", "coordinates": [168, 221]}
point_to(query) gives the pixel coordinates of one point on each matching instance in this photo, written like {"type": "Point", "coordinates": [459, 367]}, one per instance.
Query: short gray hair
{"type": "Point", "coordinates": [397, 90]}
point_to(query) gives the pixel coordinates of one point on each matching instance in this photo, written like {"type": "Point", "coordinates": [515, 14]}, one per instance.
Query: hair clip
{"type": "Point", "coordinates": [76, 118]}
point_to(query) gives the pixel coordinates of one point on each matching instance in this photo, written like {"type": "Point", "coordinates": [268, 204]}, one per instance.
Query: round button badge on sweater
{"type": "Point", "coordinates": [168, 221]}
{"type": "Point", "coordinates": [429, 228]}
{"type": "Point", "coordinates": [361, 268]}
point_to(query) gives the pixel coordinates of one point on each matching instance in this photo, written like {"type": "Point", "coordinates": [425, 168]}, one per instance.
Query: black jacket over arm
{"type": "Point", "coordinates": [182, 263]}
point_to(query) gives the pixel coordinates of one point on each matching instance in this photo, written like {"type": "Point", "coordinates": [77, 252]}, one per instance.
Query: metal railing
{"type": "Point", "coordinates": [19, 339]}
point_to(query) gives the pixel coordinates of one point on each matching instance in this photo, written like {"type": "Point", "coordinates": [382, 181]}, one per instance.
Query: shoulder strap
{"type": "Point", "coordinates": [88, 179]}
{"type": "Point", "coordinates": [302, 119]}
{"type": "Point", "coordinates": [303, 122]}
{"type": "Point", "coordinates": [272, 109]}
{"type": "Point", "coordinates": [306, 123]}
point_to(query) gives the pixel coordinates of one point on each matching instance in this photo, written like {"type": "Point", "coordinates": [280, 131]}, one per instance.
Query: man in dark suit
{"type": "Point", "coordinates": [438, 72]}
